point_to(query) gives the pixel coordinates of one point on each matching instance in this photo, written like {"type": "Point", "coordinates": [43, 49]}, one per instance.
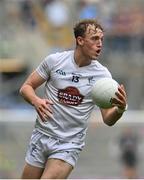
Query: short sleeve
{"type": "Point", "coordinates": [43, 69]}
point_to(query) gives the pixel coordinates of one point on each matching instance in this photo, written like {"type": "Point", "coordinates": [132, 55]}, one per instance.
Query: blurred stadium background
{"type": "Point", "coordinates": [31, 29]}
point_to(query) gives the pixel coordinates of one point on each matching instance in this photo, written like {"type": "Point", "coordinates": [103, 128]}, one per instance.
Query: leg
{"type": "Point", "coordinates": [31, 172]}
{"type": "Point", "coordinates": [35, 159]}
{"type": "Point", "coordinates": [56, 169]}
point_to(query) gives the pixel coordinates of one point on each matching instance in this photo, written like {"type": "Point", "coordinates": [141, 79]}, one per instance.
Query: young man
{"type": "Point", "coordinates": [63, 113]}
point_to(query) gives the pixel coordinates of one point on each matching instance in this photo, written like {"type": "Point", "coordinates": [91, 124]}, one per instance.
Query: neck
{"type": "Point", "coordinates": [80, 59]}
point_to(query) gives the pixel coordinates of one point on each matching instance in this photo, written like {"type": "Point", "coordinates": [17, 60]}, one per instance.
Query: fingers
{"type": "Point", "coordinates": [48, 101]}
{"type": "Point", "coordinates": [42, 116]}
{"type": "Point", "coordinates": [45, 112]}
{"type": "Point", "coordinates": [121, 89]}
{"type": "Point", "coordinates": [121, 98]}
{"type": "Point", "coordinates": [44, 109]}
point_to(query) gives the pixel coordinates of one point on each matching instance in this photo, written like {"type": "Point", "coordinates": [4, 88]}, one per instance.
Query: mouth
{"type": "Point", "coordinates": [98, 51]}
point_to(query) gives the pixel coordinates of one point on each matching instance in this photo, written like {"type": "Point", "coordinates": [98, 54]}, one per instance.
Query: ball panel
{"type": "Point", "coordinates": [102, 92]}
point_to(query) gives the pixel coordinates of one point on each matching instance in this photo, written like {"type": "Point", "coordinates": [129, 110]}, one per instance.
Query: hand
{"type": "Point", "coordinates": [43, 108]}
{"type": "Point", "coordinates": [121, 98]}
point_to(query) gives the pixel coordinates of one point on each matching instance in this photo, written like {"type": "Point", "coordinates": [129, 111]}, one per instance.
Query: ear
{"type": "Point", "coordinates": [80, 41]}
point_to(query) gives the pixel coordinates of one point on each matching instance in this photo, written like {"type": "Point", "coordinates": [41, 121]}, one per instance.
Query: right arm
{"type": "Point", "coordinates": [27, 90]}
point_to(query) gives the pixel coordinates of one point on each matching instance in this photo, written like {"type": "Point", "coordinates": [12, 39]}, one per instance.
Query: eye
{"type": "Point", "coordinates": [95, 38]}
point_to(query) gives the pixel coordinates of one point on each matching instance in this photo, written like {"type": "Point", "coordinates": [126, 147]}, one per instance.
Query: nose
{"type": "Point", "coordinates": [99, 44]}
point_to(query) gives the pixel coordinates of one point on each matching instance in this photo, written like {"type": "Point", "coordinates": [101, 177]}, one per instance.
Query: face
{"type": "Point", "coordinates": [91, 43]}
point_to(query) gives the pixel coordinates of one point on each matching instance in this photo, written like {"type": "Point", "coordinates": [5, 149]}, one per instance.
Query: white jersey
{"type": "Point", "coordinates": [69, 88]}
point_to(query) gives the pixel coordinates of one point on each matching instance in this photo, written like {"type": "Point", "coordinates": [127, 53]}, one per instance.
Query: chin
{"type": "Point", "coordinates": [94, 57]}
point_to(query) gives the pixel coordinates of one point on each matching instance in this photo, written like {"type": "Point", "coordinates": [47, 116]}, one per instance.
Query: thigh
{"type": "Point", "coordinates": [56, 169]}
{"type": "Point", "coordinates": [31, 172]}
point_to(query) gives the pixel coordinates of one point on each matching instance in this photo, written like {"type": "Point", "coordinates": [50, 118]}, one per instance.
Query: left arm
{"type": "Point", "coordinates": [112, 115]}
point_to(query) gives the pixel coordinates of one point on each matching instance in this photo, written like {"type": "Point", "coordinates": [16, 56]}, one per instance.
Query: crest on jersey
{"type": "Point", "coordinates": [70, 96]}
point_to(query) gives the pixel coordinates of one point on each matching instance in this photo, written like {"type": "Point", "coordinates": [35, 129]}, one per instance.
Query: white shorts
{"type": "Point", "coordinates": [43, 147]}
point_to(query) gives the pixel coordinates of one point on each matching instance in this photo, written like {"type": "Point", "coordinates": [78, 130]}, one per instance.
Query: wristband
{"type": "Point", "coordinates": [120, 111]}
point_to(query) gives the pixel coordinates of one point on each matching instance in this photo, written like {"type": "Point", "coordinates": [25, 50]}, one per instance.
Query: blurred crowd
{"type": "Point", "coordinates": [30, 29]}
{"type": "Point", "coordinates": [122, 20]}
